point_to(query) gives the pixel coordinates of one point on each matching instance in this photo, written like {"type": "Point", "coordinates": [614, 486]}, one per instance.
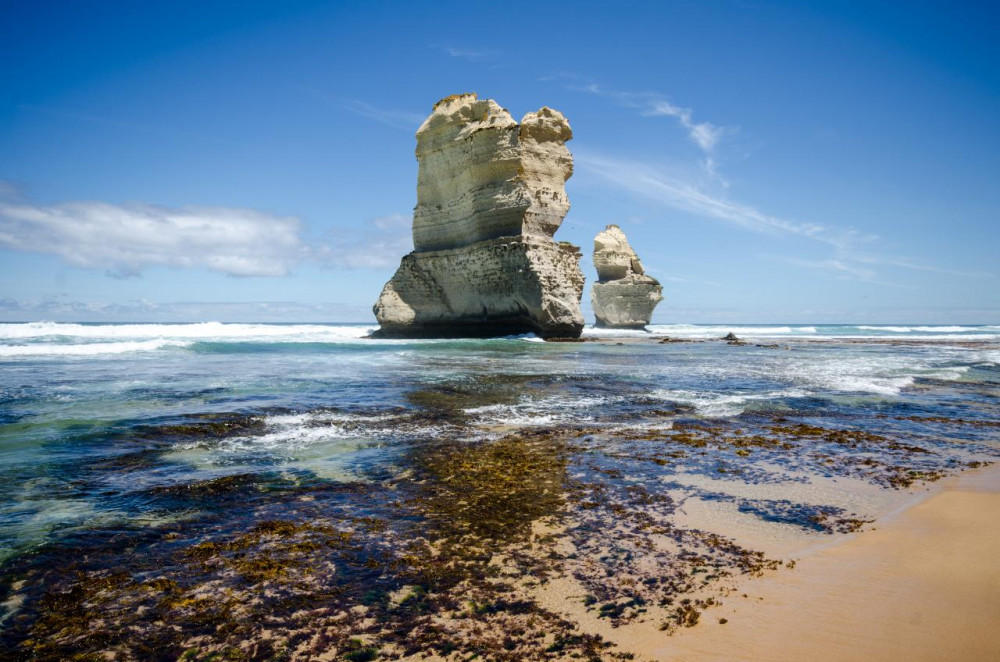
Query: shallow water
{"type": "Point", "coordinates": [160, 437]}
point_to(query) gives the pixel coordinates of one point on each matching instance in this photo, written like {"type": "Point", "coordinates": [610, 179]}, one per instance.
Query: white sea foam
{"type": "Point", "coordinates": [291, 435]}
{"type": "Point", "coordinates": [702, 332]}
{"type": "Point", "coordinates": [989, 356]}
{"type": "Point", "coordinates": [205, 331]}
{"type": "Point", "coordinates": [58, 339]}
{"type": "Point", "coordinates": [338, 333]}
{"type": "Point", "coordinates": [537, 412]}
{"type": "Point", "coordinates": [90, 349]}
{"type": "Point", "coordinates": [925, 329]}
{"type": "Point", "coordinates": [713, 405]}
{"type": "Point", "coordinates": [791, 331]}
{"type": "Point", "coordinates": [939, 337]}
{"type": "Point", "coordinates": [793, 375]}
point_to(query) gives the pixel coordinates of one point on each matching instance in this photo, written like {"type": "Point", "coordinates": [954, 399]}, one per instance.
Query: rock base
{"type": "Point", "coordinates": [497, 287]}
{"type": "Point", "coordinates": [626, 303]}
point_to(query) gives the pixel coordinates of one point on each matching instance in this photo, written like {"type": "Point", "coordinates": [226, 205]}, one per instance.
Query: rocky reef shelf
{"type": "Point", "coordinates": [501, 525]}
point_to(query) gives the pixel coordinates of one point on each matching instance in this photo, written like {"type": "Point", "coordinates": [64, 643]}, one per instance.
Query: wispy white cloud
{"type": "Point", "coordinates": [394, 117]}
{"type": "Point", "coordinates": [851, 254]}
{"type": "Point", "coordinates": [124, 240]}
{"type": "Point", "coordinates": [63, 309]}
{"type": "Point", "coordinates": [842, 268]}
{"type": "Point", "coordinates": [906, 263]}
{"type": "Point", "coordinates": [671, 278]}
{"type": "Point", "coordinates": [705, 134]}
{"type": "Point", "coordinates": [833, 264]}
{"type": "Point", "coordinates": [652, 104]}
{"type": "Point", "coordinates": [399, 119]}
{"type": "Point", "coordinates": [468, 53]}
{"type": "Point", "coordinates": [392, 222]}
{"type": "Point", "coordinates": [651, 182]}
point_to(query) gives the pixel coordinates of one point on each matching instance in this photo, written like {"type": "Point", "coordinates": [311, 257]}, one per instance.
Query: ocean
{"type": "Point", "coordinates": [301, 487]}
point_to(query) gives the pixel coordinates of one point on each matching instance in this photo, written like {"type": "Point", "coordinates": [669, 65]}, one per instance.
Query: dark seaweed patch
{"type": "Point", "coordinates": [446, 554]}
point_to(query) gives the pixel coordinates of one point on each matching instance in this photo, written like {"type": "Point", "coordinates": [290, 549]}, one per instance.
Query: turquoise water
{"type": "Point", "coordinates": [116, 432]}
{"type": "Point", "coordinates": [334, 403]}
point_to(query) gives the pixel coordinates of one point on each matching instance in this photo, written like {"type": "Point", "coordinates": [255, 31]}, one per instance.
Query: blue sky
{"type": "Point", "coordinates": [253, 161]}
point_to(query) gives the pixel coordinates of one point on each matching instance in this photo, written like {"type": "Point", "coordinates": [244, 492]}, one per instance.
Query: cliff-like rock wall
{"type": "Point", "coordinates": [490, 195]}
{"type": "Point", "coordinates": [624, 296]}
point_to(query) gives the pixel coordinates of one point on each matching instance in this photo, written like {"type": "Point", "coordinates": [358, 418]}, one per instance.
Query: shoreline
{"type": "Point", "coordinates": [923, 584]}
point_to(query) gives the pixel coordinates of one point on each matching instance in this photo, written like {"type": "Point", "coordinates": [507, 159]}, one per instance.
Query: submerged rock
{"type": "Point", "coordinates": [490, 195]}
{"type": "Point", "coordinates": [624, 296]}
{"type": "Point", "coordinates": [732, 339]}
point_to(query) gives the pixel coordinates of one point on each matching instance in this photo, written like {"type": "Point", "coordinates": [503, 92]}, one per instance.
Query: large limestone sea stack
{"type": "Point", "coordinates": [490, 195]}
{"type": "Point", "coordinates": [624, 296]}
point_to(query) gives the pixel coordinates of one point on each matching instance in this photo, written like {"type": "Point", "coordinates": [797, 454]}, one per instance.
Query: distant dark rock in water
{"type": "Point", "coordinates": [490, 195]}
{"type": "Point", "coordinates": [624, 296]}
{"type": "Point", "coordinates": [732, 339]}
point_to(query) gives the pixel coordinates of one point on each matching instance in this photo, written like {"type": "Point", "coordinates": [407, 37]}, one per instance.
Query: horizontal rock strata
{"type": "Point", "coordinates": [624, 296]}
{"type": "Point", "coordinates": [490, 195]}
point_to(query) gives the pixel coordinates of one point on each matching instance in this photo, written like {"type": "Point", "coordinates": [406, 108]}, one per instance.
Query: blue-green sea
{"type": "Point", "coordinates": [125, 446]}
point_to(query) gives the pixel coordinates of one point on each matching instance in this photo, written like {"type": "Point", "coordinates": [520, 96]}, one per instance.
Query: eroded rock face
{"type": "Point", "coordinates": [490, 195]}
{"type": "Point", "coordinates": [624, 296]}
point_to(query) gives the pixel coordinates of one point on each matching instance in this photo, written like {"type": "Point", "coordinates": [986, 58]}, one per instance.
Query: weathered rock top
{"type": "Point", "coordinates": [624, 296]}
{"type": "Point", "coordinates": [490, 195]}
{"type": "Point", "coordinates": [483, 175]}
{"type": "Point", "coordinates": [613, 256]}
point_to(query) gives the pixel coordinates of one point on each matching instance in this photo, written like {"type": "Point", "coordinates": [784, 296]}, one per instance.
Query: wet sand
{"type": "Point", "coordinates": [924, 585]}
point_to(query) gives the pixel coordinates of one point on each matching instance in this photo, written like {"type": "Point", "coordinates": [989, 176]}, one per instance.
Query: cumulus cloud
{"type": "Point", "coordinates": [125, 239]}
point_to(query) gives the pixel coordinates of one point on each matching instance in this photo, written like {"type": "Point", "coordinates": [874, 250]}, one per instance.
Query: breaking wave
{"type": "Point", "coordinates": [89, 349]}
{"type": "Point", "coordinates": [200, 331]}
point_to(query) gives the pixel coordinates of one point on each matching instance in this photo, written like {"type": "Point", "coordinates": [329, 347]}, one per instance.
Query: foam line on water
{"type": "Point", "coordinates": [714, 405]}
{"type": "Point", "coordinates": [929, 329]}
{"type": "Point", "coordinates": [89, 349]}
{"type": "Point", "coordinates": [198, 331]}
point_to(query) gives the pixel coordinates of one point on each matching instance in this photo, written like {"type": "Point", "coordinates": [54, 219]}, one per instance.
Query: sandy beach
{"type": "Point", "coordinates": [923, 585]}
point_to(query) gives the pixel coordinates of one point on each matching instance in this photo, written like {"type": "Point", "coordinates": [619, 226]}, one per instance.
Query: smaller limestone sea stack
{"type": "Point", "coordinates": [624, 296]}
{"type": "Point", "coordinates": [490, 195]}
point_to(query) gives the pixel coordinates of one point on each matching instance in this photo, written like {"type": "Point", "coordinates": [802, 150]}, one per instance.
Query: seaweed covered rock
{"type": "Point", "coordinates": [490, 196]}
{"type": "Point", "coordinates": [624, 296]}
